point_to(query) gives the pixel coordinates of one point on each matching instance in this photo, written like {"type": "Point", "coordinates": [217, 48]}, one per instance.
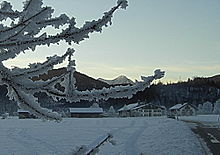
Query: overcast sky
{"type": "Point", "coordinates": [181, 37]}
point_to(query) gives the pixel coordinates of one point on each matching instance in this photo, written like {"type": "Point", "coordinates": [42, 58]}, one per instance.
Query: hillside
{"type": "Point", "coordinates": [120, 80]}
{"type": "Point", "coordinates": [195, 91]}
{"type": "Point", "coordinates": [215, 78]}
{"type": "Point", "coordinates": [83, 81]}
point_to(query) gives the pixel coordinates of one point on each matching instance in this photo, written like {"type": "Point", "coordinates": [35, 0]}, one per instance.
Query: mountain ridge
{"type": "Point", "coordinates": [120, 80]}
{"type": "Point", "coordinates": [83, 81]}
{"type": "Point", "coordinates": [195, 91]}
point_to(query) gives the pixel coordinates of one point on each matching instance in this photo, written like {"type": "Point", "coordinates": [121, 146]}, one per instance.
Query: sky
{"type": "Point", "coordinates": [181, 37]}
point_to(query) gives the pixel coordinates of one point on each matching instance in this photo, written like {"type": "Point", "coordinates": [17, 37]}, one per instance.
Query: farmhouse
{"type": "Point", "coordinates": [141, 110]}
{"type": "Point", "coordinates": [185, 109]}
{"type": "Point", "coordinates": [149, 110]}
{"type": "Point", "coordinates": [127, 110]}
{"type": "Point", "coordinates": [24, 114]}
{"type": "Point", "coordinates": [86, 112]}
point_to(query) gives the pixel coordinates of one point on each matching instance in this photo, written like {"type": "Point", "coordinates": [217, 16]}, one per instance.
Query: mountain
{"type": "Point", "coordinates": [83, 82]}
{"type": "Point", "coordinates": [194, 91]}
{"type": "Point", "coordinates": [121, 80]}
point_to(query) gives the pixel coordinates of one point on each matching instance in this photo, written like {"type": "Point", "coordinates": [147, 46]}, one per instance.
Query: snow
{"type": "Point", "coordinates": [21, 110]}
{"type": "Point", "coordinates": [155, 135]}
{"type": "Point", "coordinates": [124, 3]}
{"type": "Point", "coordinates": [128, 107]}
{"type": "Point", "coordinates": [27, 32]}
{"type": "Point", "coordinates": [217, 107]}
{"type": "Point", "coordinates": [213, 139]}
{"type": "Point", "coordinates": [178, 106]}
{"type": "Point", "coordinates": [202, 118]}
{"type": "Point", "coordinates": [117, 81]}
{"type": "Point", "coordinates": [150, 105]}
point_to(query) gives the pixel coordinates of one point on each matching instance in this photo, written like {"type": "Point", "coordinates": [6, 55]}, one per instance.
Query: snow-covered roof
{"type": "Point", "coordinates": [141, 106]}
{"type": "Point", "coordinates": [178, 106]}
{"type": "Point", "coordinates": [128, 107]}
{"type": "Point", "coordinates": [21, 110]}
{"type": "Point", "coordinates": [86, 110]}
{"type": "Point", "coordinates": [135, 106]}
{"type": "Point", "coordinates": [150, 105]}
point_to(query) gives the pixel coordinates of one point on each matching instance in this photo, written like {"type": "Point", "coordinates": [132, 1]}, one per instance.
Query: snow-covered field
{"type": "Point", "coordinates": [205, 119]}
{"type": "Point", "coordinates": [133, 136]}
{"type": "Point", "coordinates": [202, 118]}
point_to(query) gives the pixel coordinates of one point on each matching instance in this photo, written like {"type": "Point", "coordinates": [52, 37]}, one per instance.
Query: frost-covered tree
{"type": "Point", "coordinates": [217, 107]}
{"type": "Point", "coordinates": [95, 105]}
{"type": "Point", "coordinates": [25, 33]}
{"type": "Point", "coordinates": [207, 108]}
{"type": "Point", "coordinates": [111, 112]}
{"type": "Point", "coordinates": [200, 109]}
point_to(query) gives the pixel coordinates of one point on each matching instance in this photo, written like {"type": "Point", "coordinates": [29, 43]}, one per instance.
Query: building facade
{"type": "Point", "coordinates": [86, 112]}
{"type": "Point", "coordinates": [185, 109]}
{"type": "Point", "coordinates": [141, 110]}
{"type": "Point", "coordinates": [24, 114]}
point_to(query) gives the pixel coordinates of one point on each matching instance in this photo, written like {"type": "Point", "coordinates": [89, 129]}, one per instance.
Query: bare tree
{"type": "Point", "coordinates": [25, 33]}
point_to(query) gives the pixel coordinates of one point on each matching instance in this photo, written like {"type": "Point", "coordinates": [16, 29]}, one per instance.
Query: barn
{"type": "Point", "coordinates": [141, 110]}
{"type": "Point", "coordinates": [24, 114]}
{"type": "Point", "coordinates": [185, 109]}
{"type": "Point", "coordinates": [86, 112]}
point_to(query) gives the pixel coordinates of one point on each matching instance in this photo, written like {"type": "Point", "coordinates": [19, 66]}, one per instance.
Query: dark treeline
{"type": "Point", "coordinates": [195, 91]}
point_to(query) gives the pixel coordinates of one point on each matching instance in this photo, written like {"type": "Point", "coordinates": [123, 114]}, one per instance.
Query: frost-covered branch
{"type": "Point", "coordinates": [29, 102]}
{"type": "Point", "coordinates": [36, 69]}
{"type": "Point", "coordinates": [70, 34]}
{"type": "Point", "coordinates": [26, 32]}
{"type": "Point", "coordinates": [7, 12]}
{"type": "Point", "coordinates": [21, 87]}
{"type": "Point", "coordinates": [93, 148]}
{"type": "Point", "coordinates": [118, 91]}
{"type": "Point", "coordinates": [104, 94]}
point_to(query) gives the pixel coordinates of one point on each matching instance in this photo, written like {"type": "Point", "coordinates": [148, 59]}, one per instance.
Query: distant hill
{"type": "Point", "coordinates": [215, 78]}
{"type": "Point", "coordinates": [120, 80]}
{"type": "Point", "coordinates": [195, 91]}
{"type": "Point", "coordinates": [83, 82]}
{"type": "Point", "coordinates": [211, 81]}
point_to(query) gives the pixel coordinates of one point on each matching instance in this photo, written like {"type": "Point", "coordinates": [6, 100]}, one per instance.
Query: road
{"type": "Point", "coordinates": [210, 134]}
